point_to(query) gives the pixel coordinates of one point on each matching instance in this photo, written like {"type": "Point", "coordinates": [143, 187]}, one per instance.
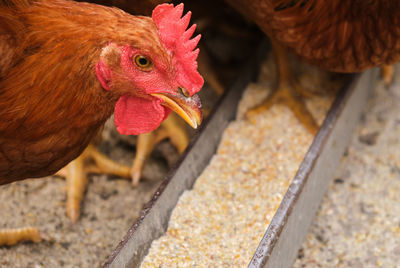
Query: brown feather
{"type": "Point", "coordinates": [51, 104]}
{"type": "Point", "coordinates": [345, 36]}
{"type": "Point", "coordinates": [16, 3]}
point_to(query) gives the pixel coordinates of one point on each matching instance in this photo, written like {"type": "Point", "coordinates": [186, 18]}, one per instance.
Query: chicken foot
{"type": "Point", "coordinates": [171, 128]}
{"type": "Point", "coordinates": [90, 161]}
{"type": "Point", "coordinates": [76, 176]}
{"type": "Point", "coordinates": [93, 161]}
{"type": "Point", "coordinates": [288, 92]}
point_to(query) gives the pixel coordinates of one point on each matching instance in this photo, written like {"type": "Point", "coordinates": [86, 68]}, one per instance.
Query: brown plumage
{"type": "Point", "coordinates": [51, 102]}
{"type": "Point", "coordinates": [337, 35]}
{"type": "Point", "coordinates": [37, 134]}
{"type": "Point", "coordinates": [343, 36]}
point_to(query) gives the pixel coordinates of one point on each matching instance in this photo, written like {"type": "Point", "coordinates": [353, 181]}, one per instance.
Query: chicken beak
{"type": "Point", "coordinates": [189, 108]}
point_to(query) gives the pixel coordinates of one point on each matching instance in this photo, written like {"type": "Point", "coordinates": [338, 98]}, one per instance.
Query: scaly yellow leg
{"type": "Point", "coordinates": [145, 145]}
{"type": "Point", "coordinates": [171, 128]}
{"type": "Point", "coordinates": [90, 161]}
{"type": "Point", "coordinates": [288, 92]}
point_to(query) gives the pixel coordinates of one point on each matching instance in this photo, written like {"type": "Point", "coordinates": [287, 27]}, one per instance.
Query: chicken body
{"type": "Point", "coordinates": [53, 102]}
{"type": "Point", "coordinates": [341, 36]}
{"type": "Point", "coordinates": [50, 102]}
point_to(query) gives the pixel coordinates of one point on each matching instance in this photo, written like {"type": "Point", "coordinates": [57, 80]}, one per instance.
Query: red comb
{"type": "Point", "coordinates": [172, 30]}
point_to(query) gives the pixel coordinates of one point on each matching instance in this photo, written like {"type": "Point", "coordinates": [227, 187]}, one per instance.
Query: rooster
{"type": "Point", "coordinates": [67, 66]}
{"type": "Point", "coordinates": [340, 36]}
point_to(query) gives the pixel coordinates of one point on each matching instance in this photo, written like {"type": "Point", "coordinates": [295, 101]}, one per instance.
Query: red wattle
{"type": "Point", "coordinates": [135, 115]}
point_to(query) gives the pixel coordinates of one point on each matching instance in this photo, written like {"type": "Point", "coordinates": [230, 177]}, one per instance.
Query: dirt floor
{"type": "Point", "coordinates": [110, 207]}
{"type": "Point", "coordinates": [358, 224]}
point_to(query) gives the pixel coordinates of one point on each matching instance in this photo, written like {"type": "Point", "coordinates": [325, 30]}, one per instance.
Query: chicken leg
{"type": "Point", "coordinates": [90, 161]}
{"type": "Point", "coordinates": [171, 128]}
{"type": "Point", "coordinates": [287, 92]}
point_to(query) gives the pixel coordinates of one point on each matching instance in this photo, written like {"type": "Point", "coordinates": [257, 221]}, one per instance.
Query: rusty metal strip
{"type": "Point", "coordinates": [154, 217]}
{"type": "Point", "coordinates": [288, 228]}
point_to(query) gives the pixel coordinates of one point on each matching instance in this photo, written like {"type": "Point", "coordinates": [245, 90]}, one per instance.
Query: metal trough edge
{"type": "Point", "coordinates": [289, 226]}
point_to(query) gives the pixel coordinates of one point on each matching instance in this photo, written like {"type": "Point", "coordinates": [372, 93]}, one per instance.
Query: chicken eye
{"type": "Point", "coordinates": [143, 62]}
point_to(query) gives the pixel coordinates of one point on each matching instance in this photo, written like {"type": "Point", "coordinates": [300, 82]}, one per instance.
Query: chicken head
{"type": "Point", "coordinates": [155, 73]}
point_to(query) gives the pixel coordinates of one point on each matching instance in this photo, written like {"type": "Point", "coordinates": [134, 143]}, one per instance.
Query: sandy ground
{"type": "Point", "coordinates": [110, 207]}
{"type": "Point", "coordinates": [358, 224]}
